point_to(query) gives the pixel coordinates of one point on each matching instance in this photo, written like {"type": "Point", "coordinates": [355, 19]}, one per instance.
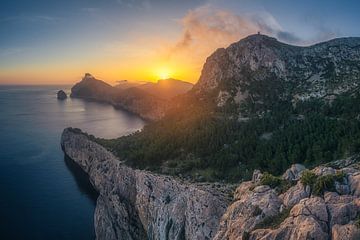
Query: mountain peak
{"type": "Point", "coordinates": [258, 66]}
{"type": "Point", "coordinates": [88, 76]}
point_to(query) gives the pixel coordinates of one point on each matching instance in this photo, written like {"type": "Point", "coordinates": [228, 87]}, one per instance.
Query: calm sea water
{"type": "Point", "coordinates": [43, 195]}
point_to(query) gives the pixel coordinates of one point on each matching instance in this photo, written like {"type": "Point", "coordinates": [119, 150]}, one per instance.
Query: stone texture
{"type": "Point", "coordinates": [345, 232]}
{"type": "Point", "coordinates": [294, 172]}
{"type": "Point", "coordinates": [136, 204]}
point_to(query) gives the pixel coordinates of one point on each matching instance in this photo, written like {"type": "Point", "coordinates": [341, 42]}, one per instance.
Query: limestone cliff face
{"type": "Point", "coordinates": [259, 69]}
{"type": "Point", "coordinates": [262, 213]}
{"type": "Point", "coordinates": [136, 204]}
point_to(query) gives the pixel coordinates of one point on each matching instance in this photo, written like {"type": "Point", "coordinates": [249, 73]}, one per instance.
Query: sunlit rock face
{"type": "Point", "coordinates": [261, 213]}
{"type": "Point", "coordinates": [260, 68]}
{"type": "Point", "coordinates": [136, 204]}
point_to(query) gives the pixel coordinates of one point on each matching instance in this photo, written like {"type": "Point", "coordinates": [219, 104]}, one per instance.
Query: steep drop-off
{"type": "Point", "coordinates": [136, 204]}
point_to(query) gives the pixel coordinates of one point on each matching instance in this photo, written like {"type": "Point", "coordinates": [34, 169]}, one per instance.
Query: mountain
{"type": "Point", "coordinates": [259, 104]}
{"type": "Point", "coordinates": [148, 100]}
{"type": "Point", "coordinates": [267, 124]}
{"type": "Point", "coordinates": [167, 88]}
{"type": "Point", "coordinates": [260, 70]}
{"type": "Point", "coordinates": [131, 99]}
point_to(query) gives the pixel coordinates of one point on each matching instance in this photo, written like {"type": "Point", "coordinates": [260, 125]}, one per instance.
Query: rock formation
{"type": "Point", "coordinates": [262, 213]}
{"type": "Point", "coordinates": [149, 101]}
{"type": "Point", "coordinates": [261, 70]}
{"type": "Point", "coordinates": [61, 95]}
{"type": "Point", "coordinates": [134, 100]}
{"type": "Point", "coordinates": [136, 204]}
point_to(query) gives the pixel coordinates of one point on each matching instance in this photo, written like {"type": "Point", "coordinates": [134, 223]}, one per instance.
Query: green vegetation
{"type": "Point", "coordinates": [324, 183]}
{"type": "Point", "coordinates": [270, 180]}
{"type": "Point", "coordinates": [308, 178]}
{"type": "Point", "coordinates": [197, 137]}
{"type": "Point", "coordinates": [320, 184]}
{"type": "Point", "coordinates": [273, 221]}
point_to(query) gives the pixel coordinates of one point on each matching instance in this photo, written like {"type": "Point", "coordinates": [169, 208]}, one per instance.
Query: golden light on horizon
{"type": "Point", "coordinates": [163, 73]}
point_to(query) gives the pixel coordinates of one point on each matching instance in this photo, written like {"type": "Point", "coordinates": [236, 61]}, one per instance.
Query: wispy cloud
{"type": "Point", "coordinates": [134, 4]}
{"type": "Point", "coordinates": [8, 52]}
{"type": "Point", "coordinates": [30, 18]}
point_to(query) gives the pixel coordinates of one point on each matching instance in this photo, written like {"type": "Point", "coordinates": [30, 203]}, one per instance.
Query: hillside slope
{"type": "Point", "coordinates": [134, 100]}
{"type": "Point", "coordinates": [260, 104]}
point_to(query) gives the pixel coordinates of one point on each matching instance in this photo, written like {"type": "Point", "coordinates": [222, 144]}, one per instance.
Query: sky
{"type": "Point", "coordinates": [56, 42]}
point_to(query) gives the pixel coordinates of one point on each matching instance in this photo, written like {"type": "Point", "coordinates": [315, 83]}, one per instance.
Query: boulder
{"type": "Point", "coordinates": [294, 194]}
{"type": "Point", "coordinates": [345, 232]}
{"type": "Point", "coordinates": [294, 172]}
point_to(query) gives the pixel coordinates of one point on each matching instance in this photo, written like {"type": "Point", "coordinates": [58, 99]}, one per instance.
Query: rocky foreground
{"type": "Point", "coordinates": [135, 204]}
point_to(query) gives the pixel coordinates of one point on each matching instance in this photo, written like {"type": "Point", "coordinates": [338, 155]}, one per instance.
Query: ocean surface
{"type": "Point", "coordinates": [43, 195]}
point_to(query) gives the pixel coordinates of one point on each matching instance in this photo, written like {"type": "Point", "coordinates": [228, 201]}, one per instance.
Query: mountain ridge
{"type": "Point", "coordinates": [149, 101]}
{"type": "Point", "coordinates": [261, 104]}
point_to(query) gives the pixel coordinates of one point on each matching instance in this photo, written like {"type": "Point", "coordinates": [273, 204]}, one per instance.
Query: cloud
{"type": "Point", "coordinates": [208, 26]}
{"type": "Point", "coordinates": [133, 4]}
{"type": "Point", "coordinates": [31, 19]}
{"type": "Point", "coordinates": [7, 52]}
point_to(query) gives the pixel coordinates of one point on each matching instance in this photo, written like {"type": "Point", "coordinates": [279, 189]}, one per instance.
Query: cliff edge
{"type": "Point", "coordinates": [136, 204]}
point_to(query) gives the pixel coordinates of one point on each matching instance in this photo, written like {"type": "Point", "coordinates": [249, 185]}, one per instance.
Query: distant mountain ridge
{"type": "Point", "coordinates": [148, 100]}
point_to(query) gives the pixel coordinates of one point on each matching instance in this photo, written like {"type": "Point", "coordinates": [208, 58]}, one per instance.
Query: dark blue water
{"type": "Point", "coordinates": [43, 195]}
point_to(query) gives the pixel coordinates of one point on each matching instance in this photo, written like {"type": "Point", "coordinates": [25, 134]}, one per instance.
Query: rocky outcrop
{"type": "Point", "coordinates": [61, 95]}
{"type": "Point", "coordinates": [260, 213]}
{"type": "Point", "coordinates": [259, 70]}
{"type": "Point", "coordinates": [134, 204]}
{"type": "Point", "coordinates": [134, 100]}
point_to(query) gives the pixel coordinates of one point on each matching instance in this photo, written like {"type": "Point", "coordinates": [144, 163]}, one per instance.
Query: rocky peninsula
{"type": "Point", "coordinates": [259, 104]}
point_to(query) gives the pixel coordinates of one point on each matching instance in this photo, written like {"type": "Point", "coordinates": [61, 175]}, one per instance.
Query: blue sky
{"type": "Point", "coordinates": [49, 41]}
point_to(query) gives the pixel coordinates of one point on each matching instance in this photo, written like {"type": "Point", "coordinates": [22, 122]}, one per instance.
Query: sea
{"type": "Point", "coordinates": [43, 194]}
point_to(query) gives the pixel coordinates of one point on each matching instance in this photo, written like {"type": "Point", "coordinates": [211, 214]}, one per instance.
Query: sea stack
{"type": "Point", "coordinates": [61, 95]}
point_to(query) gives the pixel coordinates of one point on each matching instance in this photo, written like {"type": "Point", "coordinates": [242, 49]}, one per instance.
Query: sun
{"type": "Point", "coordinates": [164, 73]}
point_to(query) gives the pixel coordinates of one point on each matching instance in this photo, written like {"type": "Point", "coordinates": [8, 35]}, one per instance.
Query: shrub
{"type": "Point", "coordinates": [308, 178]}
{"type": "Point", "coordinates": [340, 176]}
{"type": "Point", "coordinates": [270, 180]}
{"type": "Point", "coordinates": [273, 221]}
{"type": "Point", "coordinates": [324, 183]}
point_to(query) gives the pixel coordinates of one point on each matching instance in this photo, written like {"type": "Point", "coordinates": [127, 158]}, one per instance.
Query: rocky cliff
{"type": "Point", "coordinates": [133, 99]}
{"type": "Point", "coordinates": [323, 203]}
{"type": "Point", "coordinates": [136, 204]}
{"type": "Point", "coordinates": [261, 212]}
{"type": "Point", "coordinates": [259, 69]}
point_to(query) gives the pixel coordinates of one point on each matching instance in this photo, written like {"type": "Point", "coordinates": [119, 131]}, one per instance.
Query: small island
{"type": "Point", "coordinates": [61, 95]}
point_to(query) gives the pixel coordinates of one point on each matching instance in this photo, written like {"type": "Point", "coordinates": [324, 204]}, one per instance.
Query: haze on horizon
{"type": "Point", "coordinates": [56, 42]}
